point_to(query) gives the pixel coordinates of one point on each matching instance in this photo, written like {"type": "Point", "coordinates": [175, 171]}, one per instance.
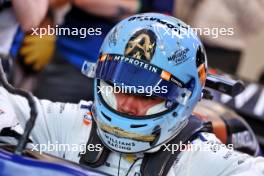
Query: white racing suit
{"type": "Point", "coordinates": [59, 123]}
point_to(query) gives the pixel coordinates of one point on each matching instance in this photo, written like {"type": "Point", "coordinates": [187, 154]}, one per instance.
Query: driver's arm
{"type": "Point", "coordinates": [30, 13]}
{"type": "Point", "coordinates": [57, 123]}
{"type": "Point", "coordinates": [208, 156]}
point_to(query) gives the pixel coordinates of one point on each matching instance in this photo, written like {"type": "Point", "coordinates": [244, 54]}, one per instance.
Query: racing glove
{"type": "Point", "coordinates": [35, 52]}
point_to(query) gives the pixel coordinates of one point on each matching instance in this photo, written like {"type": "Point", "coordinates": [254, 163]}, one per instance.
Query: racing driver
{"type": "Point", "coordinates": [149, 76]}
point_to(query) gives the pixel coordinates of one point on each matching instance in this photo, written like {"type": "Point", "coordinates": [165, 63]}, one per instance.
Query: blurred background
{"type": "Point", "coordinates": [253, 58]}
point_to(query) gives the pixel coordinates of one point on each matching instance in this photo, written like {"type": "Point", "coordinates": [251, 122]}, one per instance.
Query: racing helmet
{"type": "Point", "coordinates": [160, 57]}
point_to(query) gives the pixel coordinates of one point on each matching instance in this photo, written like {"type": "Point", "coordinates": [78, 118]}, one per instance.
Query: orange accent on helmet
{"type": "Point", "coordinates": [202, 74]}
{"type": "Point", "coordinates": [103, 57]}
{"type": "Point", "coordinates": [165, 75]}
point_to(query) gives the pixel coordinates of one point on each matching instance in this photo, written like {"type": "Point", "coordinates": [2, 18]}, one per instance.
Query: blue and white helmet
{"type": "Point", "coordinates": [157, 55]}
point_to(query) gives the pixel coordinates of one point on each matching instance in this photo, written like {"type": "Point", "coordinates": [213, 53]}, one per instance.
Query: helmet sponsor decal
{"type": "Point", "coordinates": [119, 143]}
{"type": "Point", "coordinates": [141, 45]}
{"type": "Point", "coordinates": [125, 134]}
{"type": "Point", "coordinates": [180, 55]}
{"type": "Point", "coordinates": [113, 37]}
{"type": "Point", "coordinates": [177, 28]}
{"type": "Point", "coordinates": [135, 62]}
{"type": "Point", "coordinates": [144, 65]}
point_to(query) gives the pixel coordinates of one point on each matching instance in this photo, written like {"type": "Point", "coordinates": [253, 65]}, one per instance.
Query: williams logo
{"type": "Point", "coordinates": [180, 55]}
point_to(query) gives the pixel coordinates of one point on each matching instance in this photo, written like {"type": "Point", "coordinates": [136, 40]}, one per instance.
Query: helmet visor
{"type": "Point", "coordinates": [134, 76]}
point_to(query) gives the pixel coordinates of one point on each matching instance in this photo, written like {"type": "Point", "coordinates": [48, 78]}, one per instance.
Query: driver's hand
{"type": "Point", "coordinates": [36, 52]}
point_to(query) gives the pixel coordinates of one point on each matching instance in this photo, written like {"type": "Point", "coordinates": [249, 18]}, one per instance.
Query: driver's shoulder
{"type": "Point", "coordinates": [68, 121]}
{"type": "Point", "coordinates": [206, 155]}
{"type": "Point", "coordinates": [65, 110]}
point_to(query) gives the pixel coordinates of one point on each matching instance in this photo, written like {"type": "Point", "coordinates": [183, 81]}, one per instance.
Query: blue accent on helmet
{"type": "Point", "coordinates": [164, 42]}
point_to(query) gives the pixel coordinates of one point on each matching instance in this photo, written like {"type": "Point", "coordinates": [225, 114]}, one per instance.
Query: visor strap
{"type": "Point", "coordinates": [163, 74]}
